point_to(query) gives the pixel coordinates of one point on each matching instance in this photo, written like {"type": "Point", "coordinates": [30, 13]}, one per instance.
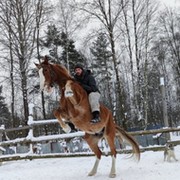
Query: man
{"type": "Point", "coordinates": [88, 82]}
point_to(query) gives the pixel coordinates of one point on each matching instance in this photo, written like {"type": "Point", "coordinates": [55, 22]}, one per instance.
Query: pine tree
{"type": "Point", "coordinates": [4, 112]}
{"type": "Point", "coordinates": [102, 67]}
{"type": "Point", "coordinates": [70, 55]}
{"type": "Point", "coordinates": [53, 41]}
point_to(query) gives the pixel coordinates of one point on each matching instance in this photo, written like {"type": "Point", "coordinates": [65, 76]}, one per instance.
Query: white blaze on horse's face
{"type": "Point", "coordinates": [43, 84]}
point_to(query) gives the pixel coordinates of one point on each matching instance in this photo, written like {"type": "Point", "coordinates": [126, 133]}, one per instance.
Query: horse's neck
{"type": "Point", "coordinates": [61, 82]}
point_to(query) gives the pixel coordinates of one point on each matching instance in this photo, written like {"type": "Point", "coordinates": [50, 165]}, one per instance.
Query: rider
{"type": "Point", "coordinates": [87, 81]}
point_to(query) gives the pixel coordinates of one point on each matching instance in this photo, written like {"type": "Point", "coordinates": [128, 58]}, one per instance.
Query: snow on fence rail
{"type": "Point", "coordinates": [30, 139]}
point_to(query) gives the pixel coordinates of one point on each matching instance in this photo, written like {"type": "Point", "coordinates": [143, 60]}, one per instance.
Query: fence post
{"type": "Point", "coordinates": [1, 134]}
{"type": "Point", "coordinates": [30, 121]}
{"type": "Point", "coordinates": [165, 115]}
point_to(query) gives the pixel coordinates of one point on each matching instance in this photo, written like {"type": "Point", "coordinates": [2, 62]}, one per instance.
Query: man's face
{"type": "Point", "coordinates": [78, 71]}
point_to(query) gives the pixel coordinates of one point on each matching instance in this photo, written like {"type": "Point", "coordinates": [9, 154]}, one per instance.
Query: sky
{"type": "Point", "coordinates": [151, 166]}
{"type": "Point", "coordinates": [170, 2]}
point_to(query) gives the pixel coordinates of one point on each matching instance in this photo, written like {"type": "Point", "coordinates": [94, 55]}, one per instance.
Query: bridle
{"type": "Point", "coordinates": [53, 75]}
{"type": "Point", "coordinates": [51, 72]}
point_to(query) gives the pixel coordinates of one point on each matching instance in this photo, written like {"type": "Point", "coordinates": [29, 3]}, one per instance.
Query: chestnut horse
{"type": "Point", "coordinates": [74, 107]}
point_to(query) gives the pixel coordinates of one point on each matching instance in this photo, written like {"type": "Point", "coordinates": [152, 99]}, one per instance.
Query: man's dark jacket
{"type": "Point", "coordinates": [87, 81]}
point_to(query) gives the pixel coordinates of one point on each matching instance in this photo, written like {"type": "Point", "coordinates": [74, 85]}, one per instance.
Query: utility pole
{"type": "Point", "coordinates": [165, 115]}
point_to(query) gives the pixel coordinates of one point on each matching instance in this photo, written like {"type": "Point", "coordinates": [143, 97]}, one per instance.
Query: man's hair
{"type": "Point", "coordinates": [79, 66]}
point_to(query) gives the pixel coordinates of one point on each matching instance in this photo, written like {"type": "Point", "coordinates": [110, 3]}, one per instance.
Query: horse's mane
{"type": "Point", "coordinates": [63, 70]}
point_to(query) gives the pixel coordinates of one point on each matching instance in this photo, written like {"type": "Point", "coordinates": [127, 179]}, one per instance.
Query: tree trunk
{"type": "Point", "coordinates": [11, 69]}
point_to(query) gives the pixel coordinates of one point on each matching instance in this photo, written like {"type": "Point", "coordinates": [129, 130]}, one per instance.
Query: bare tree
{"type": "Point", "coordinates": [140, 15]}
{"type": "Point", "coordinates": [69, 21]}
{"type": "Point", "coordinates": [169, 30]}
{"type": "Point", "coordinates": [7, 18]}
{"type": "Point", "coordinates": [40, 11]}
{"type": "Point", "coordinates": [19, 20]}
{"type": "Point", "coordinates": [108, 12]}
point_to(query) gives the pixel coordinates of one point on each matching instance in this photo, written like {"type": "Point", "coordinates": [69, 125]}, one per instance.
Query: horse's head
{"type": "Point", "coordinates": [46, 75]}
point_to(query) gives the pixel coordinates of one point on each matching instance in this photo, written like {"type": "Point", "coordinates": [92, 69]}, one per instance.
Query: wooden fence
{"type": "Point", "coordinates": [31, 140]}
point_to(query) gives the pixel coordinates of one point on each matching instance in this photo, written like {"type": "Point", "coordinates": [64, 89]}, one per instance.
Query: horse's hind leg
{"type": "Point", "coordinates": [92, 141]}
{"type": "Point", "coordinates": [110, 137]}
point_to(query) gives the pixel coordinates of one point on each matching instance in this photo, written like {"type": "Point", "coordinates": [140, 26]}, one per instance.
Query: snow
{"type": "Point", "coordinates": [151, 166]}
{"type": "Point", "coordinates": [2, 127]}
{"type": "Point", "coordinates": [157, 135]}
{"type": "Point", "coordinates": [2, 149]}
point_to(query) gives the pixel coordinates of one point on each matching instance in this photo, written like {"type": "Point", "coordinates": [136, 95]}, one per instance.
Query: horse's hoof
{"type": "Point", "coordinates": [112, 175]}
{"type": "Point", "coordinates": [67, 129]}
{"type": "Point", "coordinates": [91, 173]}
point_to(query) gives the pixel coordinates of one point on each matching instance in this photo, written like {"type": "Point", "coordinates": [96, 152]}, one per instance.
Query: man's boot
{"type": "Point", "coordinates": [96, 117]}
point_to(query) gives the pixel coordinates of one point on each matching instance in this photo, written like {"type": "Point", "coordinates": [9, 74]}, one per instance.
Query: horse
{"type": "Point", "coordinates": [75, 108]}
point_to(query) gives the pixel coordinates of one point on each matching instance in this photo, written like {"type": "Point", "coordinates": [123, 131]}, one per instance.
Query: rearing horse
{"type": "Point", "coordinates": [74, 107]}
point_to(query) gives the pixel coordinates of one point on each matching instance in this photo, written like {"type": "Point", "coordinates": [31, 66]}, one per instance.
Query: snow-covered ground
{"type": "Point", "coordinates": [150, 167]}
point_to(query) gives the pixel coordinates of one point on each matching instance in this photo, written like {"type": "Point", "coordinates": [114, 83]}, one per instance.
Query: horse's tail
{"type": "Point", "coordinates": [123, 135]}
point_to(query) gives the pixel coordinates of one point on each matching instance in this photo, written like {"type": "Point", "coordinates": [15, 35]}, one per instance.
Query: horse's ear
{"type": "Point", "coordinates": [45, 60]}
{"type": "Point", "coordinates": [38, 65]}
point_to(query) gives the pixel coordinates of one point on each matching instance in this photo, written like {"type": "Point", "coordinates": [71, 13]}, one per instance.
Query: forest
{"type": "Point", "coordinates": [129, 45]}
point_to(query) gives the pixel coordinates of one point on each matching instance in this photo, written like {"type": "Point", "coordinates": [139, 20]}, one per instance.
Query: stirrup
{"type": "Point", "coordinates": [95, 120]}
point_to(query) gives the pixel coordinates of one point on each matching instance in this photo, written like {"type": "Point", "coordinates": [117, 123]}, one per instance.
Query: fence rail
{"type": "Point", "coordinates": [41, 138]}
{"type": "Point", "coordinates": [30, 140]}
{"type": "Point", "coordinates": [17, 129]}
{"type": "Point", "coordinates": [155, 131]}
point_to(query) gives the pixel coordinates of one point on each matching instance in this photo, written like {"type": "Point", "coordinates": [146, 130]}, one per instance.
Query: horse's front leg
{"type": "Point", "coordinates": [66, 128]}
